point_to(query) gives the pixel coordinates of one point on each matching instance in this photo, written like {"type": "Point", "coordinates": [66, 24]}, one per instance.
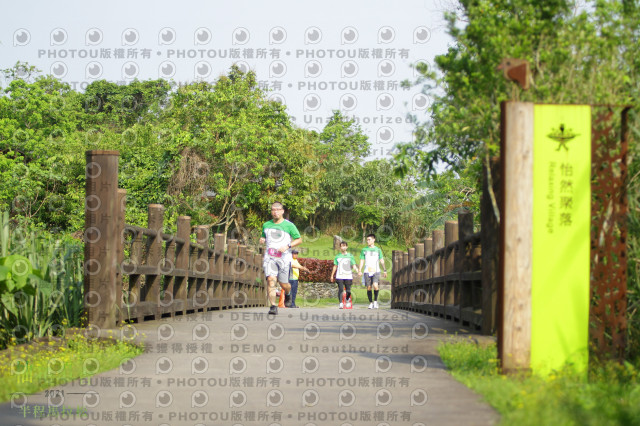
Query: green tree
{"type": "Point", "coordinates": [239, 152]}
{"type": "Point", "coordinates": [107, 104]}
{"type": "Point", "coordinates": [586, 55]}
{"type": "Point", "coordinates": [39, 145]}
{"type": "Point", "coordinates": [341, 150]}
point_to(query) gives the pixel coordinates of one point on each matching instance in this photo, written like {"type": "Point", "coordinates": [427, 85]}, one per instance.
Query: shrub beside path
{"type": "Point", "coordinates": [305, 366]}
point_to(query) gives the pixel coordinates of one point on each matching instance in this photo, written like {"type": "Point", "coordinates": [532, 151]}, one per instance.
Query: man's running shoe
{"type": "Point", "coordinates": [341, 305]}
{"type": "Point", "coordinates": [375, 305]}
{"type": "Point", "coordinates": [273, 310]}
{"type": "Point", "coordinates": [287, 300]}
{"type": "Point", "coordinates": [371, 305]}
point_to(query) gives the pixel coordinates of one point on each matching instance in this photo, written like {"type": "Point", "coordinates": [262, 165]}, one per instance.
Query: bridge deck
{"type": "Point", "coordinates": [304, 366]}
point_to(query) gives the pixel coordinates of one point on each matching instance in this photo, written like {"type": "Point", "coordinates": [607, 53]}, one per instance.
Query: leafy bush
{"type": "Point", "coordinates": [41, 283]}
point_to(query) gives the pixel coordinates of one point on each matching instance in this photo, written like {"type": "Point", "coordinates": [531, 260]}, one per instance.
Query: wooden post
{"type": "Point", "coordinates": [411, 257]}
{"type": "Point", "coordinates": [428, 272]}
{"type": "Point", "coordinates": [428, 251]}
{"type": "Point", "coordinates": [260, 292]}
{"type": "Point", "coordinates": [211, 280]}
{"type": "Point", "coordinates": [122, 200]}
{"type": "Point", "coordinates": [151, 290]}
{"type": "Point", "coordinates": [420, 262]}
{"type": "Point", "coordinates": [437, 244]}
{"type": "Point", "coordinates": [489, 235]}
{"type": "Point", "coordinates": [101, 238]}
{"type": "Point", "coordinates": [241, 268]}
{"type": "Point", "coordinates": [220, 287]}
{"type": "Point", "coordinates": [251, 277]}
{"type": "Point", "coordinates": [405, 271]}
{"type": "Point", "coordinates": [394, 278]}
{"type": "Point", "coordinates": [463, 261]}
{"type": "Point", "coordinates": [232, 252]}
{"type": "Point", "coordinates": [450, 239]}
{"type": "Point", "coordinates": [514, 334]}
{"type": "Point", "coordinates": [438, 294]}
{"type": "Point", "coordinates": [450, 236]}
{"type": "Point", "coordinates": [180, 289]}
{"type": "Point", "coordinates": [202, 266]}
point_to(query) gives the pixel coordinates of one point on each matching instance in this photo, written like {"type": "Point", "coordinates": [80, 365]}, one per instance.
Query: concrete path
{"type": "Point", "coordinates": [303, 367]}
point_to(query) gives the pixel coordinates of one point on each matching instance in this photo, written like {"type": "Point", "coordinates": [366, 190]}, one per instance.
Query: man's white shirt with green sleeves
{"type": "Point", "coordinates": [371, 256]}
{"type": "Point", "coordinates": [277, 235]}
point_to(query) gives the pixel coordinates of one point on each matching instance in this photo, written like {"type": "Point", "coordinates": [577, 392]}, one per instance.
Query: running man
{"type": "Point", "coordinates": [371, 258]}
{"type": "Point", "coordinates": [343, 263]}
{"type": "Point", "coordinates": [280, 235]}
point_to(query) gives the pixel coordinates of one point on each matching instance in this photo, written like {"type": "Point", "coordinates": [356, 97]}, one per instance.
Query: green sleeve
{"type": "Point", "coordinates": [380, 253]}
{"type": "Point", "coordinates": [293, 231]}
{"type": "Point", "coordinates": [335, 260]}
{"type": "Point", "coordinates": [362, 256]}
{"type": "Point", "coordinates": [353, 259]}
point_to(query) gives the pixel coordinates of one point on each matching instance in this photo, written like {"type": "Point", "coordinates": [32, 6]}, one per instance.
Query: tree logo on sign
{"type": "Point", "coordinates": [562, 135]}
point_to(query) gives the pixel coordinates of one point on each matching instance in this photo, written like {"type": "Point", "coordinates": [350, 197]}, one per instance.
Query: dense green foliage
{"type": "Point", "coordinates": [220, 153]}
{"type": "Point", "coordinates": [41, 283]}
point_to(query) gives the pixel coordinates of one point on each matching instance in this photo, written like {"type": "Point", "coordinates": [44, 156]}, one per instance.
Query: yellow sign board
{"type": "Point", "coordinates": [561, 237]}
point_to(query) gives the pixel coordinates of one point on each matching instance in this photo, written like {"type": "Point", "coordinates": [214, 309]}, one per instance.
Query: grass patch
{"type": "Point", "coordinates": [39, 365]}
{"type": "Point", "coordinates": [610, 395]}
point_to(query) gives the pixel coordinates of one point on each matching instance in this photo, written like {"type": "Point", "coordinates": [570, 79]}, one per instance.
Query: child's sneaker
{"type": "Point", "coordinates": [371, 305]}
{"type": "Point", "coordinates": [375, 305]}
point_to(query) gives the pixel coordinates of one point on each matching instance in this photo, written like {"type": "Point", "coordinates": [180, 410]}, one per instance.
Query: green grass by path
{"type": "Point", "coordinates": [39, 365]}
{"type": "Point", "coordinates": [609, 396]}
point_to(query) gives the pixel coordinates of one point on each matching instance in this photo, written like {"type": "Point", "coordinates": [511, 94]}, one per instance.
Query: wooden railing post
{"type": "Point", "coordinates": [405, 272]}
{"type": "Point", "coordinates": [428, 273]}
{"type": "Point", "coordinates": [490, 231]}
{"type": "Point", "coordinates": [394, 289]}
{"type": "Point", "coordinates": [220, 286]}
{"type": "Point", "coordinates": [260, 291]}
{"type": "Point", "coordinates": [181, 284]}
{"type": "Point", "coordinates": [438, 294]}
{"type": "Point", "coordinates": [232, 253]}
{"type": "Point", "coordinates": [241, 269]}
{"type": "Point", "coordinates": [464, 262]}
{"type": "Point", "coordinates": [202, 267]}
{"type": "Point", "coordinates": [101, 238]}
{"type": "Point", "coordinates": [151, 290]}
{"type": "Point", "coordinates": [411, 257]}
{"type": "Point", "coordinates": [122, 200]}
{"type": "Point", "coordinates": [450, 237]}
{"type": "Point", "coordinates": [420, 262]}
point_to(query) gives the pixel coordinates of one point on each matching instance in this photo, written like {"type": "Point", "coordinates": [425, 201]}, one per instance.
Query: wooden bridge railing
{"type": "Point", "coordinates": [135, 273]}
{"type": "Point", "coordinates": [454, 273]}
{"type": "Point", "coordinates": [442, 276]}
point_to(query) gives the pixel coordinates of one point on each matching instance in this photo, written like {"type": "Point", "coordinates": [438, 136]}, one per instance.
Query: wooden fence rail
{"type": "Point", "coordinates": [135, 273]}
